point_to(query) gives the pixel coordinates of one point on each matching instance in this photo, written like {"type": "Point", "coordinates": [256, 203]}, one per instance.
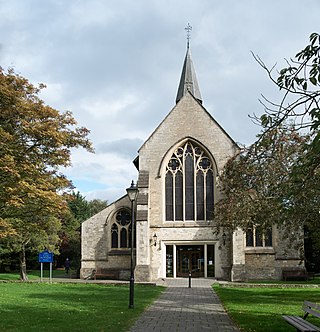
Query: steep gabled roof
{"type": "Point", "coordinates": [136, 160]}
{"type": "Point", "coordinates": [188, 80]}
{"type": "Point", "coordinates": [188, 86]}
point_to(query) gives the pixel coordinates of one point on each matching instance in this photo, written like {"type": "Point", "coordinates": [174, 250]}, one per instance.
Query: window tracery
{"type": "Point", "coordinates": [121, 230]}
{"type": "Point", "coordinates": [189, 184]}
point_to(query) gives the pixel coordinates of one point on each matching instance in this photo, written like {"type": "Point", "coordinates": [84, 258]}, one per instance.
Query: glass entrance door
{"type": "Point", "coordinates": [190, 258]}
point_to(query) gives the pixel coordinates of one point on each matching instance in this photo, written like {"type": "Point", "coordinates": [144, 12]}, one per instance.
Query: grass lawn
{"type": "Point", "coordinates": [33, 275]}
{"type": "Point", "coordinates": [261, 309]}
{"type": "Point", "coordinates": [71, 307]}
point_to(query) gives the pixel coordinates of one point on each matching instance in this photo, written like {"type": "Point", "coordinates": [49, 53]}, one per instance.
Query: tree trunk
{"type": "Point", "coordinates": [23, 265]}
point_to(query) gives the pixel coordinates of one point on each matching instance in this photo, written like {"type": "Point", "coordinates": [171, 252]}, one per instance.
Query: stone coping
{"type": "Point", "coordinates": [263, 285]}
{"type": "Point", "coordinates": [79, 281]}
{"type": "Point", "coordinates": [162, 282]}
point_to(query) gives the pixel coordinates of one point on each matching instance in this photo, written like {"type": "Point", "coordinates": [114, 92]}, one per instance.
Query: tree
{"type": "Point", "coordinates": [70, 233]}
{"type": "Point", "coordinates": [299, 83]}
{"type": "Point", "coordinates": [300, 102]}
{"type": "Point", "coordinates": [36, 141]}
{"type": "Point", "coordinates": [96, 205]}
{"type": "Point", "coordinates": [83, 209]}
{"type": "Point", "coordinates": [257, 183]}
{"type": "Point", "coordinates": [79, 207]}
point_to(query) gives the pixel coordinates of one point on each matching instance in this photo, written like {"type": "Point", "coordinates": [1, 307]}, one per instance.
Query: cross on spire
{"type": "Point", "coordinates": [188, 79]}
{"type": "Point", "coordinates": [188, 29]}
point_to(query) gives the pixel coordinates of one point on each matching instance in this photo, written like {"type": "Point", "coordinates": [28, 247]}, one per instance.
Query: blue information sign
{"type": "Point", "coordinates": [46, 257]}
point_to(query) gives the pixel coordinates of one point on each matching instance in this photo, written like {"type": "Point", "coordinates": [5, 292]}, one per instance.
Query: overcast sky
{"type": "Point", "coordinates": [116, 65]}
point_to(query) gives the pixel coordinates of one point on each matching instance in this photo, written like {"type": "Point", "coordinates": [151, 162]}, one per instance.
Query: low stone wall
{"type": "Point", "coordinates": [264, 285]}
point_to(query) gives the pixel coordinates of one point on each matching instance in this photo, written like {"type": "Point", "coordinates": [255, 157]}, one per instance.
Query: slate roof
{"type": "Point", "coordinates": [188, 80]}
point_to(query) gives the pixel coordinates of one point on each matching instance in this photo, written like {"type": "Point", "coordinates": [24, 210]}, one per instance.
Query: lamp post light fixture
{"type": "Point", "coordinates": [132, 192]}
{"type": "Point", "coordinates": [155, 239]}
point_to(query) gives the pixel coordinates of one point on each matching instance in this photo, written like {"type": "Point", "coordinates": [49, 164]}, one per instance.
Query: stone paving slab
{"type": "Point", "coordinates": [181, 308]}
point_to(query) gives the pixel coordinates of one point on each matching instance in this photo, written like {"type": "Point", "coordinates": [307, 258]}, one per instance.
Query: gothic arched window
{"type": "Point", "coordinates": [121, 230]}
{"type": "Point", "coordinates": [189, 184]}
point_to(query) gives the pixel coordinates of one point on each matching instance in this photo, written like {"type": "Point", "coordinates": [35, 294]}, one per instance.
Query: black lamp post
{"type": "Point", "coordinates": [132, 194]}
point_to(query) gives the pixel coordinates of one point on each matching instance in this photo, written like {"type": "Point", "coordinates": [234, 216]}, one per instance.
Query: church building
{"type": "Point", "coordinates": [175, 232]}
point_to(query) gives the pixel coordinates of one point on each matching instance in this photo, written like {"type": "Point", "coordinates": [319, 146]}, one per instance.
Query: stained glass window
{"type": "Point", "coordinates": [189, 184]}
{"type": "Point", "coordinates": [121, 230]}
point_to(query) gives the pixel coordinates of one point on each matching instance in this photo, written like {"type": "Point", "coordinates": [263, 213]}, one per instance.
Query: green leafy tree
{"type": "Point", "coordinates": [70, 235]}
{"type": "Point", "coordinates": [299, 84]}
{"type": "Point", "coordinates": [79, 207]}
{"type": "Point", "coordinates": [97, 205]}
{"type": "Point", "coordinates": [36, 141]}
{"type": "Point", "coordinates": [257, 183]}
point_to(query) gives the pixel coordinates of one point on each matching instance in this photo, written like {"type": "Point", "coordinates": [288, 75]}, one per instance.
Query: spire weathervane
{"type": "Point", "coordinates": [188, 29]}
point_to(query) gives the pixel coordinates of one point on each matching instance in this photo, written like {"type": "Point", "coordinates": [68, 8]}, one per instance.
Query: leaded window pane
{"type": "Point", "coordinates": [200, 196]}
{"type": "Point", "coordinates": [114, 236]}
{"type": "Point", "coordinates": [268, 238]}
{"type": "Point", "coordinates": [121, 229]}
{"type": "Point", "coordinates": [209, 195]}
{"type": "Point", "coordinates": [123, 238]}
{"type": "Point", "coordinates": [189, 184]}
{"type": "Point", "coordinates": [258, 237]}
{"type": "Point", "coordinates": [169, 196]}
{"type": "Point", "coordinates": [123, 218]}
{"type": "Point", "coordinates": [179, 196]}
{"type": "Point", "coordinates": [189, 191]}
{"type": "Point", "coordinates": [249, 238]}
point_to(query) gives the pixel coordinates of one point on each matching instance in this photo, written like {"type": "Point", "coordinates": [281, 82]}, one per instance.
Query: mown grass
{"type": "Point", "coordinates": [34, 275]}
{"type": "Point", "coordinates": [260, 309]}
{"type": "Point", "coordinates": [71, 307]}
{"type": "Point", "coordinates": [314, 281]}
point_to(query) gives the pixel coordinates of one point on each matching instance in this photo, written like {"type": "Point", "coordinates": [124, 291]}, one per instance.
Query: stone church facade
{"type": "Point", "coordinates": [175, 229]}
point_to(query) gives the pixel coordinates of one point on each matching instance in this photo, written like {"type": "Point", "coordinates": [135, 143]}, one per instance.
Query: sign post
{"type": "Point", "coordinates": [46, 257]}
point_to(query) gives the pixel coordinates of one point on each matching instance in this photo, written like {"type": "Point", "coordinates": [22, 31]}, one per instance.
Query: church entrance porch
{"type": "Point", "coordinates": [197, 258]}
{"type": "Point", "coordinates": [190, 259]}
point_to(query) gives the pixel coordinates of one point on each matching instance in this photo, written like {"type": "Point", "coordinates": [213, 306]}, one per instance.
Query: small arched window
{"type": "Point", "coordinates": [121, 230]}
{"type": "Point", "coordinates": [189, 184]}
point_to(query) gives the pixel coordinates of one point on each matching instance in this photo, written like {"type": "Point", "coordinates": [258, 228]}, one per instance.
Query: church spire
{"type": "Point", "coordinates": [188, 80]}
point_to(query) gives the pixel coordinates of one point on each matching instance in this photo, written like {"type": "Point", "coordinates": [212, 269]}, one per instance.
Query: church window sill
{"type": "Point", "coordinates": [119, 252]}
{"type": "Point", "coordinates": [260, 250]}
{"type": "Point", "coordinates": [187, 223]}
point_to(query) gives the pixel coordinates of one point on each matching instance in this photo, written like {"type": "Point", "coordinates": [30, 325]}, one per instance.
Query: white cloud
{"type": "Point", "coordinates": [109, 107]}
{"type": "Point", "coordinates": [116, 65]}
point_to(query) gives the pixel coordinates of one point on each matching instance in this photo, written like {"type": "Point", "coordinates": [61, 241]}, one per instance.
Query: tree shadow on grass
{"type": "Point", "coordinates": [72, 308]}
{"type": "Point", "coordinates": [263, 308]}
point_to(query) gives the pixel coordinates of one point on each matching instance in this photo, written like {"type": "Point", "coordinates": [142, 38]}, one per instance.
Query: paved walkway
{"type": "Point", "coordinates": [185, 309]}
